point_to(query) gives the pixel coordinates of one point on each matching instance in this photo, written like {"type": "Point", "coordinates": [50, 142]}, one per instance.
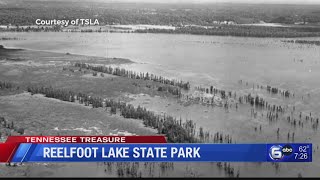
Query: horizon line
{"type": "Point", "coordinates": [262, 2]}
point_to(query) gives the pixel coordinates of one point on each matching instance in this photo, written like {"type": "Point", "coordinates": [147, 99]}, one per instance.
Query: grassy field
{"type": "Point", "coordinates": [24, 67]}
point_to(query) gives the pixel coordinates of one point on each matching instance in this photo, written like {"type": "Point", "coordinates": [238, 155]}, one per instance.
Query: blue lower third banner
{"type": "Point", "coordinates": [28, 152]}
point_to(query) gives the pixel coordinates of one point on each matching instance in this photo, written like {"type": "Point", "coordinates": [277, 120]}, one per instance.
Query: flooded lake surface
{"type": "Point", "coordinates": [221, 62]}
{"type": "Point", "coordinates": [216, 60]}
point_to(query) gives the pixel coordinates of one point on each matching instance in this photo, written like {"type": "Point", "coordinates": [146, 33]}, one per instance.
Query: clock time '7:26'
{"type": "Point", "coordinates": [301, 156]}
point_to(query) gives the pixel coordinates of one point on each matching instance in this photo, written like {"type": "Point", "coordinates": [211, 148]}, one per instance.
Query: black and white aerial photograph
{"type": "Point", "coordinates": [195, 71]}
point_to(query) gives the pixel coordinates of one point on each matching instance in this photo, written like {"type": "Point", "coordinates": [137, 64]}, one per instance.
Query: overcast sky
{"type": "Point", "coordinates": [229, 1]}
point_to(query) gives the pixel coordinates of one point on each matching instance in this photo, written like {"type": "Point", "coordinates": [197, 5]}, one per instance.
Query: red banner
{"type": "Point", "coordinates": [7, 151]}
{"type": "Point", "coordinates": [86, 139]}
{"type": "Point", "coordinates": [8, 148]}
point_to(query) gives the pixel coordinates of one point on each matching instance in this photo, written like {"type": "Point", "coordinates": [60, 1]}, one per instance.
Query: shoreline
{"type": "Point", "coordinates": [235, 30]}
{"type": "Point", "coordinates": [6, 49]}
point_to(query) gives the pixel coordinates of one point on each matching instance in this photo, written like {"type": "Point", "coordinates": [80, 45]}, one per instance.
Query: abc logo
{"type": "Point", "coordinates": [277, 152]}
{"type": "Point", "coordinates": [287, 150]}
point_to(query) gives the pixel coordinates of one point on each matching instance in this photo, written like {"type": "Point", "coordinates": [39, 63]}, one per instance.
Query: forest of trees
{"type": "Point", "coordinates": [135, 75]}
{"type": "Point", "coordinates": [26, 12]}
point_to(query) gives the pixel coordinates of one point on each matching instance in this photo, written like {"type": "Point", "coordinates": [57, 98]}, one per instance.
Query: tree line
{"type": "Point", "coordinates": [302, 42]}
{"type": "Point", "coordinates": [134, 75]}
{"type": "Point", "coordinates": [18, 28]}
{"type": "Point", "coordinates": [6, 85]}
{"type": "Point", "coordinates": [9, 126]}
{"type": "Point", "coordinates": [57, 29]}
{"type": "Point", "coordinates": [213, 90]}
{"type": "Point", "coordinates": [275, 90]}
{"type": "Point", "coordinates": [9, 38]}
{"type": "Point", "coordinates": [240, 30]}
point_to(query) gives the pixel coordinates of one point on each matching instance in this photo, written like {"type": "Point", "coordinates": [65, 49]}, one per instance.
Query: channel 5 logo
{"type": "Point", "coordinates": [277, 152]}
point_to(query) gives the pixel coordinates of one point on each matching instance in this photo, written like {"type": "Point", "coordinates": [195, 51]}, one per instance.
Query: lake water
{"type": "Point", "coordinates": [218, 61]}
